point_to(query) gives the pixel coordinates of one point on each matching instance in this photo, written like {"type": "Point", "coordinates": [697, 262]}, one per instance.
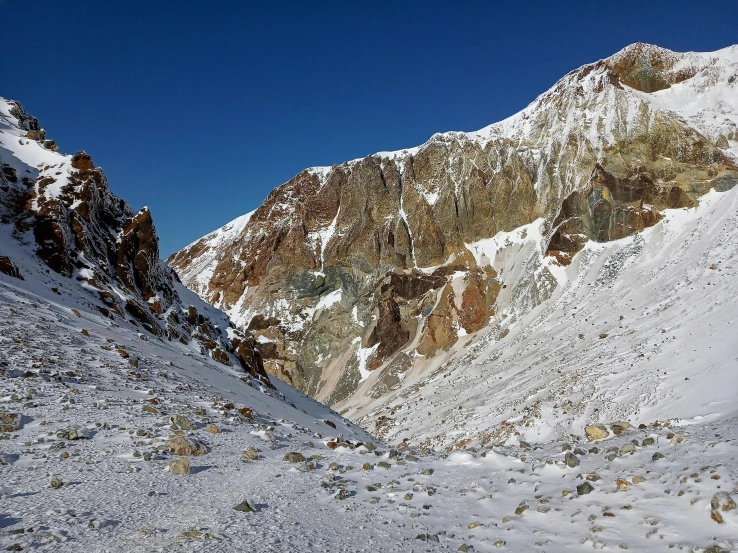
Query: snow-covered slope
{"type": "Point", "coordinates": [85, 439]}
{"type": "Point", "coordinates": [639, 329]}
{"type": "Point", "coordinates": [62, 374]}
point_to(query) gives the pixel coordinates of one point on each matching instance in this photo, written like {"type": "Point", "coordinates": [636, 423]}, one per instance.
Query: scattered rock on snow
{"type": "Point", "coordinates": [182, 422]}
{"type": "Point", "coordinates": [294, 457]}
{"type": "Point", "coordinates": [723, 500]}
{"type": "Point", "coordinates": [244, 507]}
{"type": "Point", "coordinates": [179, 445]}
{"type": "Point", "coordinates": [250, 454]}
{"type": "Point", "coordinates": [596, 432]}
{"type": "Point", "coordinates": [620, 427]}
{"type": "Point", "coordinates": [180, 466]}
{"type": "Point", "coordinates": [622, 484]}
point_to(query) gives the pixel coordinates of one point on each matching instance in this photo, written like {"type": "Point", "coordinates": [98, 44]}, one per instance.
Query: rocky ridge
{"type": "Point", "coordinates": [60, 206]}
{"type": "Point", "coordinates": [383, 265]}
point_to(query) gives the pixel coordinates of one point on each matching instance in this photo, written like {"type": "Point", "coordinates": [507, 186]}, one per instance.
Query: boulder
{"type": "Point", "coordinates": [596, 432]}
{"type": "Point", "coordinates": [180, 466]}
{"type": "Point", "coordinates": [571, 460]}
{"type": "Point", "coordinates": [9, 422]}
{"type": "Point", "coordinates": [294, 457]}
{"type": "Point", "coordinates": [620, 427]}
{"type": "Point", "coordinates": [182, 422]}
{"type": "Point", "coordinates": [244, 507]}
{"type": "Point", "coordinates": [179, 445]}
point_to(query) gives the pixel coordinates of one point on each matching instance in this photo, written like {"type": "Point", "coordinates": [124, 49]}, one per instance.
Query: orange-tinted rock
{"type": "Point", "coordinates": [220, 356]}
{"type": "Point", "coordinates": [8, 267]}
{"type": "Point", "coordinates": [440, 330]}
{"type": "Point", "coordinates": [477, 301]}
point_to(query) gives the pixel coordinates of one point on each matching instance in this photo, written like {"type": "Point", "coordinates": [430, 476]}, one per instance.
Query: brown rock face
{"type": "Point", "coordinates": [8, 267]}
{"type": "Point", "coordinates": [388, 332]}
{"type": "Point", "coordinates": [82, 162]}
{"type": "Point", "coordinates": [377, 265]}
{"type": "Point", "coordinates": [251, 360]}
{"type": "Point", "coordinates": [478, 299]}
{"type": "Point", "coordinates": [439, 330]}
{"type": "Point", "coordinates": [646, 68]}
{"type": "Point", "coordinates": [138, 254]}
{"type": "Point", "coordinates": [612, 207]}
{"type": "Point", "coordinates": [53, 244]}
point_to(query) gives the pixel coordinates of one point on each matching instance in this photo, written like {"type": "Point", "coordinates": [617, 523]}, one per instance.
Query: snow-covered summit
{"type": "Point", "coordinates": [639, 67]}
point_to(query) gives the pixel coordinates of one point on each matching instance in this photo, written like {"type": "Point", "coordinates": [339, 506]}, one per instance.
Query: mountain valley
{"type": "Point", "coordinates": [515, 339]}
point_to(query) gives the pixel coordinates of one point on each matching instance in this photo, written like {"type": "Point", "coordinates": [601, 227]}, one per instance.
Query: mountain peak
{"type": "Point", "coordinates": [650, 68]}
{"type": "Point", "coordinates": [640, 49]}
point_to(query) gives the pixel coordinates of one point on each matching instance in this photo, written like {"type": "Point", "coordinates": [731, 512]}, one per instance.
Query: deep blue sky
{"type": "Point", "coordinates": [199, 109]}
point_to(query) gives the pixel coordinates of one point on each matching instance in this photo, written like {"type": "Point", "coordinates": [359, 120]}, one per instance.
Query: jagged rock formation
{"type": "Point", "coordinates": [377, 267]}
{"type": "Point", "coordinates": [61, 206]}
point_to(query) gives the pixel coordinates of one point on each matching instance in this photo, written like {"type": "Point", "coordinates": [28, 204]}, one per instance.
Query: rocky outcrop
{"type": "Point", "coordinates": [649, 68]}
{"type": "Point", "coordinates": [375, 266]}
{"type": "Point", "coordinates": [8, 267]}
{"type": "Point", "coordinates": [84, 232]}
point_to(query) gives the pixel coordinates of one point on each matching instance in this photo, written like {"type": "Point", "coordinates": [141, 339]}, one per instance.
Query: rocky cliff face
{"type": "Point", "coordinates": [61, 207]}
{"type": "Point", "coordinates": [358, 275]}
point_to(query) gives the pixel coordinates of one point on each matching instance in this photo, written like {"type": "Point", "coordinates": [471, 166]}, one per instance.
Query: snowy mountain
{"type": "Point", "coordinates": [563, 379]}
{"type": "Point", "coordinates": [362, 279]}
